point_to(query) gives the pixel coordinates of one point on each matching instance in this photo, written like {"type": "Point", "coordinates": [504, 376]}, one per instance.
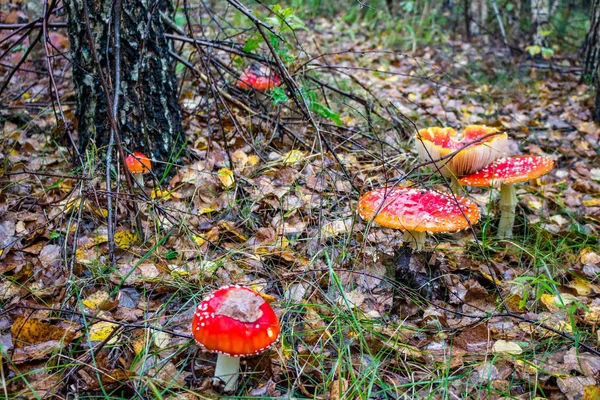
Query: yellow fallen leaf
{"type": "Point", "coordinates": [503, 346]}
{"type": "Point", "coordinates": [205, 210]}
{"type": "Point", "coordinates": [161, 194]}
{"type": "Point", "coordinates": [292, 157]}
{"type": "Point", "coordinates": [226, 177]}
{"type": "Point", "coordinates": [103, 329]}
{"type": "Point", "coordinates": [124, 239]}
{"type": "Point", "coordinates": [583, 287]}
{"type": "Point", "coordinates": [100, 300]}
{"type": "Point", "coordinates": [591, 392]}
{"type": "Point", "coordinates": [591, 202]}
{"type": "Point", "coordinates": [139, 344]}
{"type": "Point", "coordinates": [27, 331]}
{"type": "Point", "coordinates": [253, 160]}
{"type": "Point", "coordinates": [557, 302]}
{"type": "Point", "coordinates": [199, 240]}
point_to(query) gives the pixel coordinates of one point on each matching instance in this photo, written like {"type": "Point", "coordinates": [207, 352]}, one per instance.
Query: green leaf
{"type": "Point", "coordinates": [547, 53]}
{"type": "Point", "coordinates": [171, 254]}
{"type": "Point", "coordinates": [326, 112]}
{"type": "Point", "coordinates": [534, 50]}
{"type": "Point", "coordinates": [252, 44]}
{"type": "Point", "coordinates": [278, 96]}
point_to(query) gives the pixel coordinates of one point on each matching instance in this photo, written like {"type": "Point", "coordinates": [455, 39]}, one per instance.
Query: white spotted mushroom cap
{"type": "Point", "coordinates": [235, 321]}
{"type": "Point", "coordinates": [417, 210]}
{"type": "Point", "coordinates": [510, 170]}
{"type": "Point", "coordinates": [435, 143]}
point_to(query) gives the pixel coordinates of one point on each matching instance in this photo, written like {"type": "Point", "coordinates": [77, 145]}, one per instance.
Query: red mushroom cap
{"type": "Point", "coordinates": [235, 321]}
{"type": "Point", "coordinates": [138, 163]}
{"type": "Point", "coordinates": [418, 210]}
{"type": "Point", "coordinates": [510, 170]}
{"type": "Point", "coordinates": [435, 143]}
{"type": "Point", "coordinates": [261, 79]}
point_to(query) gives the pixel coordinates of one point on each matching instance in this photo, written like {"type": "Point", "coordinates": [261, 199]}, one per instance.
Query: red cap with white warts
{"type": "Point", "coordinates": [417, 210]}
{"type": "Point", "coordinates": [259, 78]}
{"type": "Point", "coordinates": [138, 163]}
{"type": "Point", "coordinates": [235, 321]}
{"type": "Point", "coordinates": [510, 170]}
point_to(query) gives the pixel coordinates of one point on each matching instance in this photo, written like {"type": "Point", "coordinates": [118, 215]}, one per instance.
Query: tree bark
{"type": "Point", "coordinates": [147, 115]}
{"type": "Point", "coordinates": [591, 48]}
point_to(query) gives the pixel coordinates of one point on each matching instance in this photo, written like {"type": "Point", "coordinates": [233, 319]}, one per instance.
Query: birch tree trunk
{"type": "Point", "coordinates": [541, 11]}
{"type": "Point", "coordinates": [479, 16]}
{"type": "Point", "coordinates": [147, 113]}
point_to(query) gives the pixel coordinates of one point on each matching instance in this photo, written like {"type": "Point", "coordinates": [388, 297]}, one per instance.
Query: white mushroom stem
{"type": "Point", "coordinates": [227, 370]}
{"type": "Point", "coordinates": [415, 239]}
{"type": "Point", "coordinates": [508, 206]}
{"type": "Point", "coordinates": [139, 178]}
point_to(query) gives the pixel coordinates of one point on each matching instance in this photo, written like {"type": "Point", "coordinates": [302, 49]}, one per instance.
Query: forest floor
{"type": "Point", "coordinates": [275, 210]}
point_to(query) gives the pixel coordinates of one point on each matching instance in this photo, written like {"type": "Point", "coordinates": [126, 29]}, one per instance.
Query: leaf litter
{"type": "Point", "coordinates": [283, 219]}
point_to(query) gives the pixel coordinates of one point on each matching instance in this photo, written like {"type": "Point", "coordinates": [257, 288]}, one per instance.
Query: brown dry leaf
{"type": "Point", "coordinates": [335, 228]}
{"type": "Point", "coordinates": [228, 226]}
{"type": "Point", "coordinates": [591, 316]}
{"type": "Point", "coordinates": [27, 331]}
{"type": "Point", "coordinates": [338, 388]}
{"type": "Point", "coordinates": [589, 257]}
{"type": "Point", "coordinates": [574, 386]}
{"type": "Point", "coordinates": [36, 351]}
{"type": "Point", "coordinates": [314, 326]}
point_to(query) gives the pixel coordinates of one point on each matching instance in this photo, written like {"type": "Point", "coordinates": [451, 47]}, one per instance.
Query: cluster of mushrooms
{"type": "Point", "coordinates": [236, 321]}
{"type": "Point", "coordinates": [474, 158]}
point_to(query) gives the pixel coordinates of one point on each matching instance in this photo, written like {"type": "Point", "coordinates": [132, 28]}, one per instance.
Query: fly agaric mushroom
{"type": "Point", "coordinates": [235, 322]}
{"type": "Point", "coordinates": [436, 143]}
{"type": "Point", "coordinates": [417, 211]}
{"type": "Point", "coordinates": [138, 164]}
{"type": "Point", "coordinates": [508, 171]}
{"type": "Point", "coordinates": [259, 78]}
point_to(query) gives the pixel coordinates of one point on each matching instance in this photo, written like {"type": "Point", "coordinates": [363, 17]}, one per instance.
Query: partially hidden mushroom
{"type": "Point", "coordinates": [417, 211]}
{"type": "Point", "coordinates": [138, 164]}
{"type": "Point", "coordinates": [234, 321]}
{"type": "Point", "coordinates": [259, 78]}
{"type": "Point", "coordinates": [506, 172]}
{"type": "Point", "coordinates": [488, 144]}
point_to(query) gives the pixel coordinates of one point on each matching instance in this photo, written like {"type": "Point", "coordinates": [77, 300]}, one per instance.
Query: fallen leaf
{"type": "Point", "coordinates": [226, 177]}
{"type": "Point", "coordinates": [502, 346]}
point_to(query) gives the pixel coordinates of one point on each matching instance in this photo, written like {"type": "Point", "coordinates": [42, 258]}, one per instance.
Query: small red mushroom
{"type": "Point", "coordinates": [138, 164]}
{"type": "Point", "coordinates": [508, 171]}
{"type": "Point", "coordinates": [417, 211]}
{"type": "Point", "coordinates": [258, 78]}
{"type": "Point", "coordinates": [435, 143]}
{"type": "Point", "coordinates": [234, 321]}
